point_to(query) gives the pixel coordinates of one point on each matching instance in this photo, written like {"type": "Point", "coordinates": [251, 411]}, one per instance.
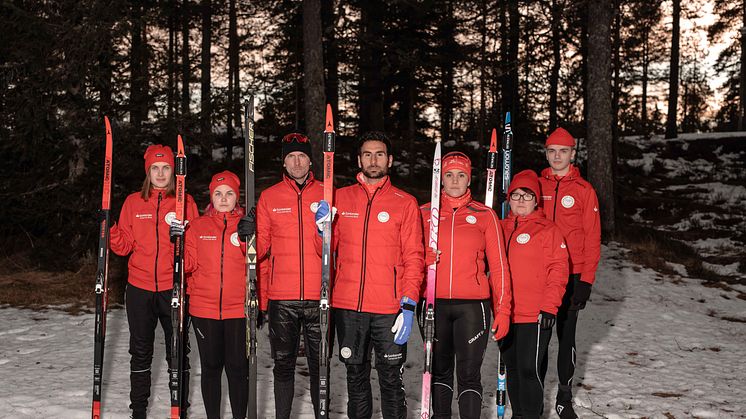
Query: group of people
{"type": "Point", "coordinates": [530, 271]}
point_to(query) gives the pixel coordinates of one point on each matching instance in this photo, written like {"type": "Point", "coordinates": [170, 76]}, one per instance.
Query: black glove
{"type": "Point", "coordinates": [247, 225]}
{"type": "Point", "coordinates": [580, 295]}
{"type": "Point", "coordinates": [262, 317]}
{"type": "Point", "coordinates": [546, 320]}
{"type": "Point", "coordinates": [176, 230]}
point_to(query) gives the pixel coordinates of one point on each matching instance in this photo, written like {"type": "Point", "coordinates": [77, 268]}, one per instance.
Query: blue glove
{"type": "Point", "coordinates": [323, 215]}
{"type": "Point", "coordinates": [403, 324]}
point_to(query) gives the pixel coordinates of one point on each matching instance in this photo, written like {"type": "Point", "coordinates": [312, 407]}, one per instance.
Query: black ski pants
{"type": "Point", "coordinates": [567, 320]}
{"type": "Point", "coordinates": [287, 319]}
{"type": "Point", "coordinates": [145, 309]}
{"type": "Point", "coordinates": [222, 344]}
{"type": "Point", "coordinates": [461, 332]}
{"type": "Point", "coordinates": [523, 349]}
{"type": "Point", "coordinates": [358, 333]}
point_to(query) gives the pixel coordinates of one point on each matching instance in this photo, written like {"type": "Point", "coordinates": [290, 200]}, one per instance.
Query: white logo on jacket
{"type": "Point", "coordinates": [170, 217]}
{"type": "Point", "coordinates": [383, 216]}
{"type": "Point", "coordinates": [563, 246]}
{"type": "Point", "coordinates": [568, 201]}
{"type": "Point", "coordinates": [314, 207]}
{"type": "Point", "coordinates": [348, 214]}
{"type": "Point", "coordinates": [234, 239]}
{"type": "Point", "coordinates": [523, 238]}
{"type": "Point", "coordinates": [282, 210]}
{"type": "Point", "coordinates": [144, 216]}
{"type": "Point", "coordinates": [345, 352]}
{"type": "Point", "coordinates": [471, 219]}
{"type": "Point", "coordinates": [210, 238]}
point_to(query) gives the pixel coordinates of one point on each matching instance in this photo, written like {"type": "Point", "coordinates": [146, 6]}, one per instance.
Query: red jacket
{"type": "Point", "coordinates": [289, 267]}
{"type": "Point", "coordinates": [571, 202]}
{"type": "Point", "coordinates": [378, 239]}
{"type": "Point", "coordinates": [216, 258]}
{"type": "Point", "coordinates": [465, 237]}
{"type": "Point", "coordinates": [143, 231]}
{"type": "Point", "coordinates": [538, 260]}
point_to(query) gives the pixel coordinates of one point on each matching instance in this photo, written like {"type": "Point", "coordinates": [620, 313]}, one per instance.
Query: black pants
{"type": "Point", "coordinates": [287, 319]}
{"type": "Point", "coordinates": [567, 320]}
{"type": "Point", "coordinates": [222, 344]}
{"type": "Point", "coordinates": [461, 331]}
{"type": "Point", "coordinates": [523, 349]}
{"type": "Point", "coordinates": [356, 333]}
{"type": "Point", "coordinates": [145, 309]}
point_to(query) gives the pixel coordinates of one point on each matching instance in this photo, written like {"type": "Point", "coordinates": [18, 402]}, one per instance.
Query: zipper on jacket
{"type": "Point", "coordinates": [365, 247]}
{"type": "Point", "coordinates": [222, 253]}
{"type": "Point", "coordinates": [157, 238]}
{"type": "Point", "coordinates": [450, 267]}
{"type": "Point", "coordinates": [556, 196]}
{"type": "Point", "coordinates": [300, 239]}
{"type": "Point", "coordinates": [395, 283]}
{"type": "Point", "coordinates": [510, 239]}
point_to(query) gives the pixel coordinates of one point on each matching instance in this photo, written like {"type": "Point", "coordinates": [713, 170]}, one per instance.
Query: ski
{"type": "Point", "coordinates": [251, 306]}
{"type": "Point", "coordinates": [429, 324]}
{"type": "Point", "coordinates": [326, 265]}
{"type": "Point", "coordinates": [102, 278]}
{"type": "Point", "coordinates": [489, 194]}
{"type": "Point", "coordinates": [177, 295]}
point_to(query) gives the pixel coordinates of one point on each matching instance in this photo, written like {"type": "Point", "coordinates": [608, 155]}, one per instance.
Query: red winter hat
{"type": "Point", "coordinates": [157, 153]}
{"type": "Point", "coordinates": [560, 136]}
{"type": "Point", "coordinates": [457, 160]}
{"type": "Point", "coordinates": [225, 178]}
{"type": "Point", "coordinates": [526, 179]}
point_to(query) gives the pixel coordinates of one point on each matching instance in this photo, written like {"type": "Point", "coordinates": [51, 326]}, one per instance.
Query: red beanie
{"type": "Point", "coordinates": [157, 153]}
{"type": "Point", "coordinates": [526, 179]}
{"type": "Point", "coordinates": [560, 136]}
{"type": "Point", "coordinates": [225, 178]}
{"type": "Point", "coordinates": [457, 160]}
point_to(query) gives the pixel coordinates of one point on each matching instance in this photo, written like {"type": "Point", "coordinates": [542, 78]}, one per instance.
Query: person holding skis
{"type": "Point", "coordinates": [469, 233]}
{"type": "Point", "coordinates": [537, 255]}
{"type": "Point", "coordinates": [216, 259]}
{"type": "Point", "coordinates": [143, 233]}
{"type": "Point", "coordinates": [571, 202]}
{"type": "Point", "coordinates": [290, 269]}
{"type": "Point", "coordinates": [379, 272]}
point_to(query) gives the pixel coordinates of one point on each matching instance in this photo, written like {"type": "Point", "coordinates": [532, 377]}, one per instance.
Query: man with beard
{"type": "Point", "coordinates": [289, 268]}
{"type": "Point", "coordinates": [379, 270]}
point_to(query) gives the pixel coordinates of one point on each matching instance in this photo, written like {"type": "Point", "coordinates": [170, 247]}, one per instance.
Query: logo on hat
{"type": "Point", "coordinates": [383, 216]}
{"type": "Point", "coordinates": [568, 201]}
{"type": "Point", "coordinates": [346, 352]}
{"type": "Point", "coordinates": [220, 179]}
{"type": "Point", "coordinates": [471, 219]}
{"type": "Point", "coordinates": [170, 217]}
{"type": "Point", "coordinates": [159, 154]}
{"type": "Point", "coordinates": [523, 238]}
{"type": "Point", "coordinates": [234, 239]}
{"type": "Point", "coordinates": [314, 207]}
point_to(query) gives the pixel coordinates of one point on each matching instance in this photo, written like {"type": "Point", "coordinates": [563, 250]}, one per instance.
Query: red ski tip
{"type": "Point", "coordinates": [329, 119]}
{"type": "Point", "coordinates": [493, 141]}
{"type": "Point", "coordinates": [180, 145]}
{"type": "Point", "coordinates": [108, 125]}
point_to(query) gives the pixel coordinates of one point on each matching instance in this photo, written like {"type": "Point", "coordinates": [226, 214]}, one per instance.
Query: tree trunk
{"type": "Point", "coordinates": [371, 51]}
{"type": "Point", "coordinates": [600, 151]}
{"type": "Point", "coordinates": [205, 69]}
{"type": "Point", "coordinates": [171, 69]}
{"type": "Point", "coordinates": [313, 78]}
{"type": "Point", "coordinates": [617, 75]}
{"type": "Point", "coordinates": [331, 62]}
{"type": "Point", "coordinates": [510, 87]}
{"type": "Point", "coordinates": [483, 77]}
{"type": "Point", "coordinates": [185, 68]}
{"type": "Point", "coordinates": [556, 61]}
{"type": "Point", "coordinates": [137, 74]}
{"type": "Point", "coordinates": [673, 75]}
{"type": "Point", "coordinates": [233, 111]}
{"type": "Point", "coordinates": [742, 79]}
{"type": "Point", "coordinates": [645, 65]}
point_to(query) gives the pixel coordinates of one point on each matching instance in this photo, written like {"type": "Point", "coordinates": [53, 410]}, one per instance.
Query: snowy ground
{"type": "Point", "coordinates": [649, 346]}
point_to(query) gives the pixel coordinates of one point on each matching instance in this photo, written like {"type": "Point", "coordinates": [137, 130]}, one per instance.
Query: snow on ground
{"type": "Point", "coordinates": [648, 346]}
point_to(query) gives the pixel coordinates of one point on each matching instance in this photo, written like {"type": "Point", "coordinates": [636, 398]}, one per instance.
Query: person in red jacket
{"type": "Point", "coordinates": [216, 259]}
{"type": "Point", "coordinates": [571, 202]}
{"type": "Point", "coordinates": [379, 270]}
{"type": "Point", "coordinates": [469, 233]}
{"type": "Point", "coordinates": [538, 259]}
{"type": "Point", "coordinates": [290, 269]}
{"type": "Point", "coordinates": [143, 233]}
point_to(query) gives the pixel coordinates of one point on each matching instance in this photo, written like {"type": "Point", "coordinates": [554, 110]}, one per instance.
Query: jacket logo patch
{"type": "Point", "coordinates": [595, 209]}
{"type": "Point", "coordinates": [523, 238]}
{"type": "Point", "coordinates": [170, 217]}
{"type": "Point", "coordinates": [563, 246]}
{"type": "Point", "coordinates": [568, 201]}
{"type": "Point", "coordinates": [282, 210]}
{"type": "Point", "coordinates": [208, 238]}
{"type": "Point", "coordinates": [349, 214]}
{"type": "Point", "coordinates": [383, 216]}
{"type": "Point", "coordinates": [234, 239]}
{"type": "Point", "coordinates": [144, 216]}
{"type": "Point", "coordinates": [346, 352]}
{"type": "Point", "coordinates": [471, 219]}
{"type": "Point", "coordinates": [314, 207]}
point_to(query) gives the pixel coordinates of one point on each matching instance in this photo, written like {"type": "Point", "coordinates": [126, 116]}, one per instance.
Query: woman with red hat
{"type": "Point", "coordinates": [216, 258]}
{"type": "Point", "coordinates": [469, 234]}
{"type": "Point", "coordinates": [538, 260]}
{"type": "Point", "coordinates": [143, 233]}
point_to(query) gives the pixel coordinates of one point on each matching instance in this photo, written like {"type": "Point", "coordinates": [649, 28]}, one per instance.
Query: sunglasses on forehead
{"type": "Point", "coordinates": [298, 138]}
